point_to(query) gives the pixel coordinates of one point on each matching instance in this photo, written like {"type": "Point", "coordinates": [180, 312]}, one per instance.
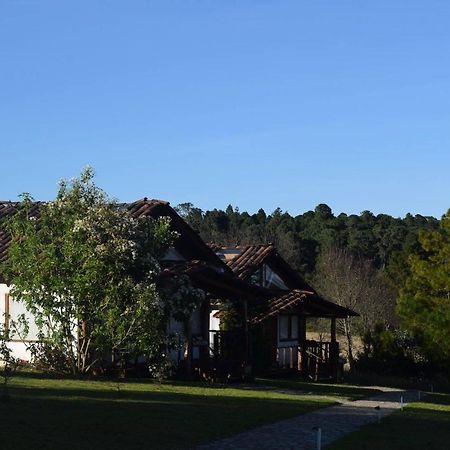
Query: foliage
{"type": "Point", "coordinates": [390, 352]}
{"type": "Point", "coordinates": [302, 238]}
{"type": "Point", "coordinates": [230, 316]}
{"type": "Point", "coordinates": [87, 272]}
{"type": "Point", "coordinates": [353, 282]}
{"type": "Point", "coordinates": [7, 361]}
{"type": "Point", "coordinates": [424, 302]}
{"type": "Point", "coordinates": [181, 298]}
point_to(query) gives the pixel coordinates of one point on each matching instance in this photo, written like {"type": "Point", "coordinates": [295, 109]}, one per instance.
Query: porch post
{"type": "Point", "coordinates": [302, 342]}
{"type": "Point", "coordinates": [333, 329]}
{"type": "Point", "coordinates": [247, 338]}
{"type": "Point", "coordinates": [205, 311]}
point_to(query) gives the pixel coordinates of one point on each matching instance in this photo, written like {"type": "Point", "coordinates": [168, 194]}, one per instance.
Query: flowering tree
{"type": "Point", "coordinates": [87, 271]}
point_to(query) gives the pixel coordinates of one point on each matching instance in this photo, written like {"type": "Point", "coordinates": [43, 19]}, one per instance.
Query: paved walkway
{"type": "Point", "coordinates": [335, 422]}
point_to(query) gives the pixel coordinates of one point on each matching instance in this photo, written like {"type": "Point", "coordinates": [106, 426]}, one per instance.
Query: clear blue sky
{"type": "Point", "coordinates": [255, 103]}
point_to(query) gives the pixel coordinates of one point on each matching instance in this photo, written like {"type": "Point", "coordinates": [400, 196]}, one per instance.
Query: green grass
{"type": "Point", "coordinates": [420, 426]}
{"type": "Point", "coordinates": [440, 383]}
{"type": "Point", "coordinates": [49, 413]}
{"type": "Point", "coordinates": [337, 391]}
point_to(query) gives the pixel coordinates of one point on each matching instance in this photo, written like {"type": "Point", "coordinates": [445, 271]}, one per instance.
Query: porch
{"type": "Point", "coordinates": [313, 359]}
{"type": "Point", "coordinates": [224, 356]}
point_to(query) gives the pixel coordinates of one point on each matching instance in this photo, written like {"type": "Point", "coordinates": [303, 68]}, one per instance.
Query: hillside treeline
{"type": "Point", "coordinates": [381, 239]}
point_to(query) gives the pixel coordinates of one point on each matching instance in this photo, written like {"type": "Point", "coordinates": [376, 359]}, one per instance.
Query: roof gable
{"type": "Point", "coordinates": [253, 257]}
{"type": "Point", "coordinates": [189, 244]}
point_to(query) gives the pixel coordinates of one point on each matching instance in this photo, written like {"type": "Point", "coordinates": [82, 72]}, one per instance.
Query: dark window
{"type": "Point", "coordinates": [288, 327]}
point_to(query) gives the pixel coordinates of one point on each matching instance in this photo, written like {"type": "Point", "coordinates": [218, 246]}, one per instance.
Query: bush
{"type": "Point", "coordinates": [390, 352]}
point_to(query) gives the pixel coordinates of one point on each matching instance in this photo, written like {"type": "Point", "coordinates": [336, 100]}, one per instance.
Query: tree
{"type": "Point", "coordinates": [354, 283]}
{"type": "Point", "coordinates": [87, 271]}
{"type": "Point", "coordinates": [424, 302]}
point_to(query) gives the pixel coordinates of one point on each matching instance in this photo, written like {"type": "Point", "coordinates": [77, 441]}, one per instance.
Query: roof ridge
{"type": "Point", "coordinates": [149, 200]}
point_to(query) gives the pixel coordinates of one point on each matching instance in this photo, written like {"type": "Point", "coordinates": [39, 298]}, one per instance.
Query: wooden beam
{"type": "Point", "coordinates": [333, 329]}
{"type": "Point", "coordinates": [302, 344]}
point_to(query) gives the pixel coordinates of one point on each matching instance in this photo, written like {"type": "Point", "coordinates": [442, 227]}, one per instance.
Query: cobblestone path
{"type": "Point", "coordinates": [335, 422]}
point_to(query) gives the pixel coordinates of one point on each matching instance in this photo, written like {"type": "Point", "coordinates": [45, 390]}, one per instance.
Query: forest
{"type": "Point", "coordinates": [374, 264]}
{"type": "Point", "coordinates": [380, 238]}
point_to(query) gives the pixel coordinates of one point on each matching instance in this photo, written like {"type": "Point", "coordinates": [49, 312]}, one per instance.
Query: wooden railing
{"type": "Point", "coordinates": [287, 357]}
{"type": "Point", "coordinates": [314, 359]}
{"type": "Point", "coordinates": [228, 345]}
{"type": "Point", "coordinates": [319, 359]}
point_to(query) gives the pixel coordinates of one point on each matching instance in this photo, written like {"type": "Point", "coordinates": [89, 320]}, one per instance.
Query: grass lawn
{"type": "Point", "coordinates": [338, 391]}
{"type": "Point", "coordinates": [49, 413]}
{"type": "Point", "coordinates": [420, 426]}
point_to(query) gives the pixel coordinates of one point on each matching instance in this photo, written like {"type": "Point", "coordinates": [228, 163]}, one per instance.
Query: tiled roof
{"type": "Point", "coordinates": [250, 258]}
{"type": "Point", "coordinates": [145, 207]}
{"type": "Point", "coordinates": [189, 243]}
{"type": "Point", "coordinates": [220, 284]}
{"type": "Point", "coordinates": [306, 302]}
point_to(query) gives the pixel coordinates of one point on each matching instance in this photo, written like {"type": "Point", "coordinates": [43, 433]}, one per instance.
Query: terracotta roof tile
{"type": "Point", "coordinates": [307, 302]}
{"type": "Point", "coordinates": [250, 258]}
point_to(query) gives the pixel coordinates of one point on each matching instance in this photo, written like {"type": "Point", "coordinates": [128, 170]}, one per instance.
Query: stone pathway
{"type": "Point", "coordinates": [335, 422]}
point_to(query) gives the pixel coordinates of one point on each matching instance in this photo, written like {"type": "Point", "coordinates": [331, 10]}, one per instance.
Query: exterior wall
{"type": "Point", "coordinates": [17, 346]}
{"type": "Point", "coordinates": [287, 353]}
{"type": "Point", "coordinates": [177, 328]}
{"type": "Point", "coordinates": [214, 322]}
{"type": "Point", "coordinates": [214, 325]}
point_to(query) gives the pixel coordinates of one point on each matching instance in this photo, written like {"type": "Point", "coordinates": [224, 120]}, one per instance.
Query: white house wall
{"type": "Point", "coordinates": [18, 347]}
{"type": "Point", "coordinates": [287, 354]}
{"type": "Point", "coordinates": [177, 328]}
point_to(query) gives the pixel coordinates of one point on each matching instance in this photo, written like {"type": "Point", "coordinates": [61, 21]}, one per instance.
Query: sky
{"type": "Point", "coordinates": [261, 104]}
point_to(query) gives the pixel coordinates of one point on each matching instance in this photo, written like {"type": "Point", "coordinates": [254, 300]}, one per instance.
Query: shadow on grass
{"type": "Point", "coordinates": [43, 417]}
{"type": "Point", "coordinates": [438, 399]}
{"type": "Point", "coordinates": [145, 380]}
{"type": "Point", "coordinates": [334, 390]}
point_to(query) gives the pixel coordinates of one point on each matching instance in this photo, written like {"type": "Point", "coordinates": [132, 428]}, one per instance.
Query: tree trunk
{"type": "Point", "coordinates": [349, 337]}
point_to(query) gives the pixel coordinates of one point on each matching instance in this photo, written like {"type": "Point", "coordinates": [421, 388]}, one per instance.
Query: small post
{"type": "Point", "coordinates": [401, 402]}
{"type": "Point", "coordinates": [378, 410]}
{"type": "Point", "coordinates": [418, 395]}
{"type": "Point", "coordinates": [318, 431]}
{"type": "Point", "coordinates": [431, 387]}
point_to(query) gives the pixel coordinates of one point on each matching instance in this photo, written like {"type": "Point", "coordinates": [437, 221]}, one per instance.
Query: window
{"type": "Point", "coordinates": [272, 279]}
{"type": "Point", "coordinates": [266, 277]}
{"type": "Point", "coordinates": [288, 327]}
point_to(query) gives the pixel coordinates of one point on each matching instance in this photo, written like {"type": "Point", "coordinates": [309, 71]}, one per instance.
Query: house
{"type": "Point", "coordinates": [266, 298]}
{"type": "Point", "coordinates": [190, 256]}
{"type": "Point", "coordinates": [278, 323]}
